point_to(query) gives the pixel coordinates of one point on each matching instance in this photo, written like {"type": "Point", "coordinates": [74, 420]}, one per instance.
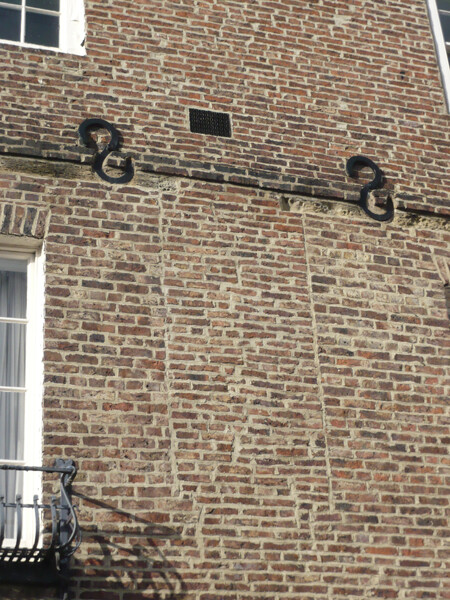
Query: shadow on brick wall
{"type": "Point", "coordinates": [129, 560]}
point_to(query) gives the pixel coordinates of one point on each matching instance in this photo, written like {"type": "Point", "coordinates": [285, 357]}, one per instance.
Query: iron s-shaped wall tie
{"type": "Point", "coordinates": [376, 184]}
{"type": "Point", "coordinates": [113, 144]}
{"type": "Point", "coordinates": [100, 157]}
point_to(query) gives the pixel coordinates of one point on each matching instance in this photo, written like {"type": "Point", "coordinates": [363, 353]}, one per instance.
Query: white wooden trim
{"type": "Point", "coordinates": [72, 31]}
{"type": "Point", "coordinates": [441, 50]}
{"type": "Point", "coordinates": [34, 377]}
{"type": "Point", "coordinates": [22, 22]}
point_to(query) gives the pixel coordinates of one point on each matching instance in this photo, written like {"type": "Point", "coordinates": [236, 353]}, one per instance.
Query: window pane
{"type": "Point", "coordinates": [11, 484]}
{"type": "Point", "coordinates": [12, 354]}
{"type": "Point", "coordinates": [16, 265]}
{"type": "Point", "coordinates": [42, 30]}
{"type": "Point", "coordinates": [445, 22]}
{"type": "Point", "coordinates": [12, 406]}
{"type": "Point", "coordinates": [443, 4]}
{"type": "Point", "coordinates": [13, 288]}
{"type": "Point", "coordinates": [46, 4]}
{"type": "Point", "coordinates": [9, 24]}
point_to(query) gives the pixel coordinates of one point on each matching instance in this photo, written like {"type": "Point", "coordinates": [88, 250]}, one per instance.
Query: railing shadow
{"type": "Point", "coordinates": [140, 567]}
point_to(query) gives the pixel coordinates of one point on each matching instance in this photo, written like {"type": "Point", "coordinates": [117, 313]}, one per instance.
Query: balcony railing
{"type": "Point", "coordinates": [55, 532]}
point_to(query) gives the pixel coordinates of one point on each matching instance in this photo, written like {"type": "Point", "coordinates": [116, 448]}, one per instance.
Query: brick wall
{"type": "Point", "coordinates": [249, 372]}
{"type": "Point", "coordinates": [255, 397]}
{"type": "Point", "coordinates": [307, 84]}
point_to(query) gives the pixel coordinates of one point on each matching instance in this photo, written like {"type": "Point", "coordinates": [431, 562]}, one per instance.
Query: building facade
{"type": "Point", "coordinates": [224, 271]}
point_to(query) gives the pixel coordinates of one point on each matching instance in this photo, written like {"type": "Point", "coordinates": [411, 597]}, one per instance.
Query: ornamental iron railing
{"type": "Point", "coordinates": [55, 532]}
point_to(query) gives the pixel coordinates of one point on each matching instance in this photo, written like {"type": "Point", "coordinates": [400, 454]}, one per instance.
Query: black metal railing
{"type": "Point", "coordinates": [55, 531]}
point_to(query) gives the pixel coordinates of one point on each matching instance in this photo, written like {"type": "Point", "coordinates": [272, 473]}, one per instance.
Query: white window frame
{"type": "Point", "coordinates": [71, 27]}
{"type": "Point", "coordinates": [34, 376]}
{"type": "Point", "coordinates": [441, 48]}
